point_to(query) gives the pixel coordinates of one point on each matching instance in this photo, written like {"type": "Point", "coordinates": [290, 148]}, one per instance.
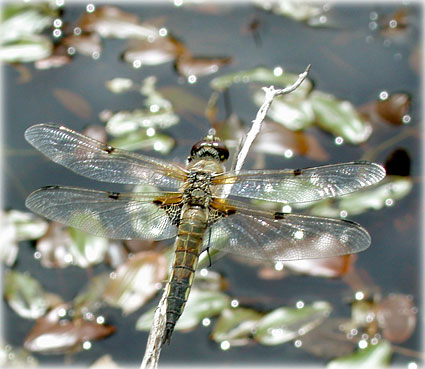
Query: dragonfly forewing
{"type": "Point", "coordinates": [301, 185]}
{"type": "Point", "coordinates": [96, 160]}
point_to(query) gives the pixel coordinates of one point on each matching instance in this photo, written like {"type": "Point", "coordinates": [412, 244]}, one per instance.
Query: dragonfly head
{"type": "Point", "coordinates": [209, 147]}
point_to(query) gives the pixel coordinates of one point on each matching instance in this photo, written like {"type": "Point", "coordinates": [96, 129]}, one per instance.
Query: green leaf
{"type": "Point", "coordinates": [200, 305]}
{"type": "Point", "coordinates": [26, 49]}
{"type": "Point", "coordinates": [141, 140]}
{"type": "Point", "coordinates": [339, 118]}
{"type": "Point", "coordinates": [264, 76]}
{"type": "Point", "coordinates": [292, 111]}
{"type": "Point", "coordinates": [86, 249]}
{"type": "Point", "coordinates": [136, 281]}
{"type": "Point", "coordinates": [25, 295]}
{"type": "Point", "coordinates": [18, 20]}
{"type": "Point", "coordinates": [392, 188]}
{"type": "Point", "coordinates": [285, 324]}
{"type": "Point", "coordinates": [373, 356]}
{"type": "Point", "coordinates": [119, 85]}
{"type": "Point", "coordinates": [27, 225]}
{"type": "Point", "coordinates": [235, 326]}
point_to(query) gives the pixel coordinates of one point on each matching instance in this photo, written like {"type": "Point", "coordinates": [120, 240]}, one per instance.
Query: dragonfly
{"type": "Point", "coordinates": [200, 204]}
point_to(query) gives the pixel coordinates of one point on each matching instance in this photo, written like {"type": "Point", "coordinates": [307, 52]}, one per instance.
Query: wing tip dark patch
{"type": "Point", "coordinates": [114, 195]}
{"type": "Point", "coordinates": [50, 187]}
{"type": "Point", "coordinates": [297, 172]}
{"type": "Point", "coordinates": [109, 149]}
{"type": "Point", "coordinates": [279, 216]}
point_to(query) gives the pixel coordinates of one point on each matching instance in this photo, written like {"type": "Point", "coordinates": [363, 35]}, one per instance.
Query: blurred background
{"type": "Point", "coordinates": [154, 78]}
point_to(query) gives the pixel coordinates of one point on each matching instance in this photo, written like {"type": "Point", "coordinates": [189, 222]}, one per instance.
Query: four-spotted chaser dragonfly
{"type": "Point", "coordinates": [200, 210]}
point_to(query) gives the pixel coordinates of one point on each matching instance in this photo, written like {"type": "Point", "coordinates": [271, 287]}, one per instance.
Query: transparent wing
{"type": "Point", "coordinates": [301, 185]}
{"type": "Point", "coordinates": [276, 236]}
{"type": "Point", "coordinates": [93, 159]}
{"type": "Point", "coordinates": [105, 214]}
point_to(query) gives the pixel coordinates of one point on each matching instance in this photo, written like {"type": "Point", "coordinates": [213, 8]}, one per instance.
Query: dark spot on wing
{"type": "Point", "coordinates": [297, 172]}
{"type": "Point", "coordinates": [52, 187]}
{"type": "Point", "coordinates": [230, 211]}
{"type": "Point", "coordinates": [278, 216]}
{"type": "Point", "coordinates": [158, 202]}
{"type": "Point", "coordinates": [114, 195]}
{"type": "Point", "coordinates": [109, 149]}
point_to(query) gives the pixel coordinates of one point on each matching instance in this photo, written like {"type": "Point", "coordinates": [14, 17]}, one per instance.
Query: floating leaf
{"type": "Point", "coordinates": [275, 139]}
{"type": "Point", "coordinates": [162, 50]}
{"type": "Point", "coordinates": [88, 44]}
{"type": "Point", "coordinates": [236, 326]}
{"type": "Point", "coordinates": [263, 76]}
{"type": "Point", "coordinates": [394, 108]}
{"type": "Point", "coordinates": [110, 21]}
{"type": "Point", "coordinates": [26, 226]}
{"type": "Point", "coordinates": [200, 305]}
{"type": "Point", "coordinates": [328, 340]}
{"type": "Point", "coordinates": [294, 9]}
{"type": "Point", "coordinates": [285, 324]}
{"type": "Point", "coordinates": [136, 281]}
{"type": "Point", "coordinates": [56, 333]}
{"type": "Point", "coordinates": [396, 316]}
{"type": "Point", "coordinates": [25, 49]}
{"type": "Point", "coordinates": [18, 20]}
{"type": "Point", "coordinates": [373, 356]}
{"type": "Point", "coordinates": [86, 249]}
{"type": "Point", "coordinates": [75, 103]}
{"type": "Point", "coordinates": [331, 267]}
{"type": "Point", "coordinates": [183, 101]}
{"type": "Point", "coordinates": [14, 357]}
{"type": "Point", "coordinates": [56, 59]}
{"type": "Point", "coordinates": [119, 85]}
{"type": "Point", "coordinates": [62, 246]}
{"type": "Point", "coordinates": [293, 112]}
{"type": "Point", "coordinates": [339, 118]}
{"type": "Point", "coordinates": [24, 295]}
{"type": "Point", "coordinates": [197, 66]}
{"type": "Point", "coordinates": [104, 362]}
{"type": "Point", "coordinates": [383, 194]}
{"type": "Point", "coordinates": [145, 139]}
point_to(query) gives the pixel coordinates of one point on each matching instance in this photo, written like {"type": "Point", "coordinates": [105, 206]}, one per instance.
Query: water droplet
{"type": "Point", "coordinates": [383, 95]}
{"type": "Point", "coordinates": [90, 8]}
{"type": "Point", "coordinates": [206, 322]}
{"type": "Point", "coordinates": [57, 32]}
{"type": "Point", "coordinates": [278, 266]}
{"type": "Point", "coordinates": [359, 295]}
{"type": "Point", "coordinates": [204, 272]}
{"type": "Point", "coordinates": [100, 319]}
{"type": "Point", "coordinates": [298, 343]}
{"type": "Point", "coordinates": [339, 140]}
{"type": "Point", "coordinates": [37, 255]}
{"type": "Point", "coordinates": [57, 23]}
{"type": "Point", "coordinates": [137, 64]}
{"type": "Point", "coordinates": [95, 55]}
{"type": "Point", "coordinates": [191, 79]}
{"type": "Point", "coordinates": [77, 31]}
{"type": "Point", "coordinates": [393, 23]}
{"type": "Point", "coordinates": [362, 344]}
{"type": "Point", "coordinates": [288, 153]}
{"type": "Point", "coordinates": [178, 2]}
{"type": "Point", "coordinates": [406, 119]}
{"type": "Point", "coordinates": [373, 26]}
{"type": "Point", "coordinates": [225, 345]}
{"type": "Point", "coordinates": [234, 303]}
{"type": "Point", "coordinates": [343, 214]}
{"type": "Point", "coordinates": [286, 209]}
{"type": "Point", "coordinates": [87, 345]}
{"type": "Point", "coordinates": [163, 32]}
{"type": "Point", "coordinates": [300, 304]}
{"type": "Point", "coordinates": [278, 71]}
{"type": "Point", "coordinates": [373, 16]}
{"type": "Point", "coordinates": [71, 50]}
{"type": "Point", "coordinates": [154, 108]}
{"type": "Point", "coordinates": [150, 132]}
{"type": "Point", "coordinates": [389, 202]}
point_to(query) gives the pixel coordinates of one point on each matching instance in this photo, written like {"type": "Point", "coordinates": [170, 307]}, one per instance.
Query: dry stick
{"type": "Point", "coordinates": [153, 347]}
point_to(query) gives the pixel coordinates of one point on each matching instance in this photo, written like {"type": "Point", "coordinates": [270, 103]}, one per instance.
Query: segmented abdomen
{"type": "Point", "coordinates": [188, 246]}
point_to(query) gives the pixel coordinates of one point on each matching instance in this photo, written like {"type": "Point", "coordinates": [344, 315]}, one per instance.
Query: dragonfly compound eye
{"type": "Point", "coordinates": [212, 147]}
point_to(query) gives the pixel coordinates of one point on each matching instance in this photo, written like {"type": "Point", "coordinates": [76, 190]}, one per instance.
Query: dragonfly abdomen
{"type": "Point", "coordinates": [188, 246]}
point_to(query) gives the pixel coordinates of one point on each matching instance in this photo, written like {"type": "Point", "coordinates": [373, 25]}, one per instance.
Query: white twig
{"type": "Point", "coordinates": [154, 344]}
{"type": "Point", "coordinates": [271, 93]}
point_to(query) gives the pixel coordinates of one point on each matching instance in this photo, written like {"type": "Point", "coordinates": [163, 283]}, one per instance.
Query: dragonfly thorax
{"type": "Point", "coordinates": [197, 190]}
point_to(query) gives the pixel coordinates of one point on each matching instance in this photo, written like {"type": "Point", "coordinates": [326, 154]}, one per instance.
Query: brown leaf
{"type": "Point", "coordinates": [394, 108]}
{"type": "Point", "coordinates": [396, 315]}
{"type": "Point", "coordinates": [136, 281]}
{"type": "Point", "coordinates": [86, 43]}
{"type": "Point", "coordinates": [162, 50]}
{"type": "Point", "coordinates": [275, 139]}
{"type": "Point", "coordinates": [326, 267]}
{"type": "Point", "coordinates": [54, 333]}
{"type": "Point", "coordinates": [73, 102]}
{"type": "Point", "coordinates": [199, 66]}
